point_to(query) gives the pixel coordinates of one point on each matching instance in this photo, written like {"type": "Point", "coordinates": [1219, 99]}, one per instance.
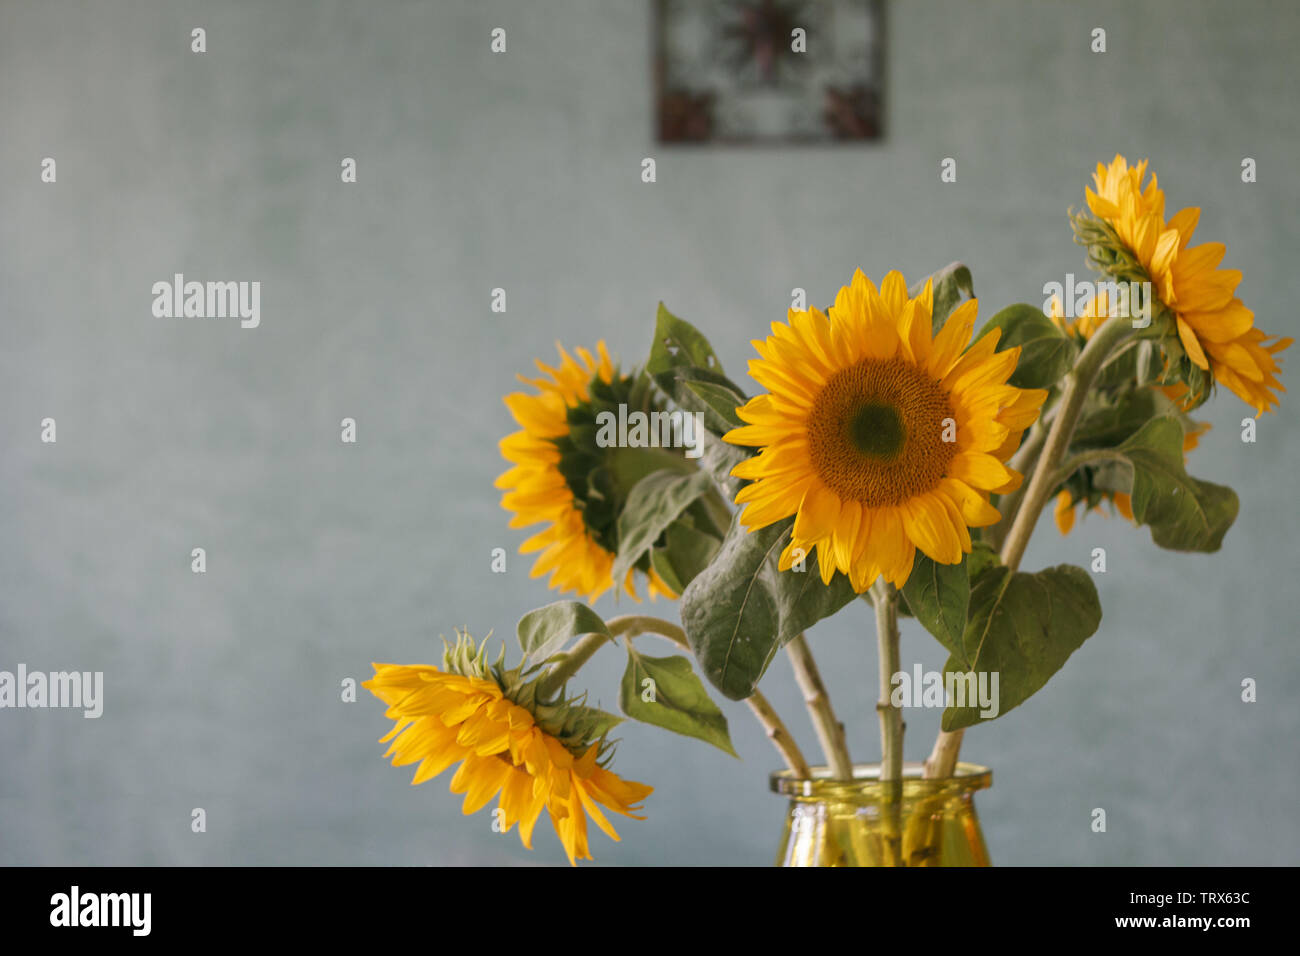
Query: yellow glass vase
{"type": "Point", "coordinates": [863, 822]}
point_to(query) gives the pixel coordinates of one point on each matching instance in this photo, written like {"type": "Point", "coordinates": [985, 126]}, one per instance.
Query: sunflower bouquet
{"type": "Point", "coordinates": [895, 454]}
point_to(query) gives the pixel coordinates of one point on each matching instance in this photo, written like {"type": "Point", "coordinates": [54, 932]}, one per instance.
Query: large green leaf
{"type": "Point", "coordinates": [937, 595]}
{"type": "Point", "coordinates": [740, 610]}
{"type": "Point", "coordinates": [548, 629]}
{"type": "Point", "coordinates": [652, 505]}
{"type": "Point", "coordinates": [952, 283]}
{"type": "Point", "coordinates": [665, 692]}
{"type": "Point", "coordinates": [1184, 513]}
{"type": "Point", "coordinates": [1046, 353]}
{"type": "Point", "coordinates": [1022, 627]}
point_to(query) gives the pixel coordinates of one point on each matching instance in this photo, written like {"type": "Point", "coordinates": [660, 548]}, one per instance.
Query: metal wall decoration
{"type": "Point", "coordinates": [739, 71]}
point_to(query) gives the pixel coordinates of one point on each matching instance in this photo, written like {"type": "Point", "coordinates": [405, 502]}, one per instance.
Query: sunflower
{"type": "Point", "coordinates": [1215, 329]}
{"type": "Point", "coordinates": [1064, 513]}
{"type": "Point", "coordinates": [1096, 311]}
{"type": "Point", "coordinates": [559, 477]}
{"type": "Point", "coordinates": [532, 758]}
{"type": "Point", "coordinates": [879, 437]}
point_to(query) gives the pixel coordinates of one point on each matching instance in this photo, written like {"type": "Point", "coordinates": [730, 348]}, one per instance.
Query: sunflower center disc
{"type": "Point", "coordinates": [876, 432]}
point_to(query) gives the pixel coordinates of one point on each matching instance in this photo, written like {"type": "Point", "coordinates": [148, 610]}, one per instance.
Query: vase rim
{"type": "Point", "coordinates": [966, 778]}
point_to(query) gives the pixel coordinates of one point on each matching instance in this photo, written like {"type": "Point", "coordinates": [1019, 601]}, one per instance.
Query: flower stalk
{"type": "Point", "coordinates": [1073, 394]}
{"type": "Point", "coordinates": [885, 597]}
{"type": "Point", "coordinates": [830, 732]}
{"type": "Point", "coordinates": [570, 664]}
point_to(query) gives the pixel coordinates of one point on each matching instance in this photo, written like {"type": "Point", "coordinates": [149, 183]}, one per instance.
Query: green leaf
{"type": "Point", "coordinates": [678, 343]}
{"type": "Point", "coordinates": [717, 397]}
{"type": "Point", "coordinates": [952, 283]}
{"type": "Point", "coordinates": [1184, 514]}
{"type": "Point", "coordinates": [685, 553]}
{"type": "Point", "coordinates": [937, 595]}
{"type": "Point", "coordinates": [674, 699]}
{"type": "Point", "coordinates": [548, 629]}
{"type": "Point", "coordinates": [684, 366]}
{"type": "Point", "coordinates": [1111, 423]}
{"type": "Point", "coordinates": [663, 566]}
{"type": "Point", "coordinates": [652, 505]}
{"type": "Point", "coordinates": [1022, 627]}
{"type": "Point", "coordinates": [740, 610]}
{"type": "Point", "coordinates": [719, 458]}
{"type": "Point", "coordinates": [714, 395]}
{"type": "Point", "coordinates": [1046, 353]}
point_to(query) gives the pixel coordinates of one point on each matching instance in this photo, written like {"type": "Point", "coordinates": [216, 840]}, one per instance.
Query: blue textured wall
{"type": "Point", "coordinates": [522, 171]}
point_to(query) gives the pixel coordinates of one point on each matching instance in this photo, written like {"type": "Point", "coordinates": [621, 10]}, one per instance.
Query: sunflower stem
{"type": "Point", "coordinates": [943, 759]}
{"type": "Point", "coordinates": [1009, 504]}
{"type": "Point", "coordinates": [631, 625]}
{"type": "Point", "coordinates": [570, 664]}
{"type": "Point", "coordinates": [830, 732]}
{"type": "Point", "coordinates": [779, 735]}
{"type": "Point", "coordinates": [885, 597]}
{"type": "Point", "coordinates": [1075, 391]}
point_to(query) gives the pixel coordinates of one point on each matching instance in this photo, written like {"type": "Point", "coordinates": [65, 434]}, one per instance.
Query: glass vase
{"type": "Point", "coordinates": [864, 822]}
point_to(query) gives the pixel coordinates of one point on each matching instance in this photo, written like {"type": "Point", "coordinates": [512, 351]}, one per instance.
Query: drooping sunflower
{"type": "Point", "coordinates": [1215, 329]}
{"type": "Point", "coordinates": [1079, 489]}
{"type": "Point", "coordinates": [877, 435]}
{"type": "Point", "coordinates": [531, 754]}
{"type": "Point", "coordinates": [562, 479]}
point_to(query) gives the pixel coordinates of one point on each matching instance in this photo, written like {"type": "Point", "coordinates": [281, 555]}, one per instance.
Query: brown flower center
{"type": "Point", "coordinates": [877, 430]}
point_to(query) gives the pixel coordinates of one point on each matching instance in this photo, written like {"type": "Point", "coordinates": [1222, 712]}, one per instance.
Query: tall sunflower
{"type": "Point", "coordinates": [531, 754]}
{"type": "Point", "coordinates": [562, 479]}
{"type": "Point", "coordinates": [1215, 329]}
{"type": "Point", "coordinates": [878, 436]}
